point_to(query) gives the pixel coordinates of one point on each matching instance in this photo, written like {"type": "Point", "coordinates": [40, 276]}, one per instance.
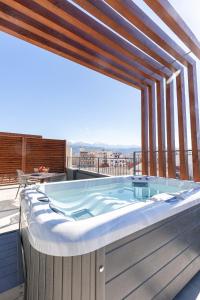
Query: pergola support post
{"type": "Point", "coordinates": [194, 119]}
{"type": "Point", "coordinates": [161, 129]}
{"type": "Point", "coordinates": [144, 130]}
{"type": "Point", "coordinates": [182, 125]}
{"type": "Point", "coordinates": [152, 130]}
{"type": "Point", "coordinates": [171, 155]}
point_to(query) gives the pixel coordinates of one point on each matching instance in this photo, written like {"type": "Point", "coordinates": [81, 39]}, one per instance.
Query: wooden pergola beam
{"type": "Point", "coordinates": [138, 18]}
{"type": "Point", "coordinates": [63, 33]}
{"type": "Point", "coordinates": [34, 11]}
{"type": "Point", "coordinates": [71, 14]}
{"type": "Point", "coordinates": [72, 47]}
{"type": "Point", "coordinates": [108, 16]}
{"type": "Point", "coordinates": [25, 35]}
{"type": "Point", "coordinates": [176, 23]}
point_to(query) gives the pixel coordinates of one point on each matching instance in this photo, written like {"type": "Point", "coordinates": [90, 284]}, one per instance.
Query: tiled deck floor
{"type": "Point", "coordinates": [9, 222]}
{"type": "Point", "coordinates": [9, 209]}
{"type": "Point", "coordinates": [191, 291]}
{"type": "Point", "coordinates": [11, 270]}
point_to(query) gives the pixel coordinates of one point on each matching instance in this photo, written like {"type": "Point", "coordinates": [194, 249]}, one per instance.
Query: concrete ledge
{"type": "Point", "coordinates": [76, 174]}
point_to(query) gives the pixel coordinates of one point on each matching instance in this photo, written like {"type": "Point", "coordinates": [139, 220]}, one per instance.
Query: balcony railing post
{"type": "Point", "coordinates": [98, 165]}
{"type": "Point", "coordinates": [134, 163]}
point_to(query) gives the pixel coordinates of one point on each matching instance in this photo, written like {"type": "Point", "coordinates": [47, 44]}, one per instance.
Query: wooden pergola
{"type": "Point", "coordinates": [117, 39]}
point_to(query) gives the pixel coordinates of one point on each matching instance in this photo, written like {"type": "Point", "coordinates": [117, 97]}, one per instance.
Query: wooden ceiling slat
{"type": "Point", "coordinates": [64, 34]}
{"type": "Point", "coordinates": [108, 16]}
{"type": "Point", "coordinates": [97, 31]}
{"type": "Point", "coordinates": [136, 16]}
{"type": "Point", "coordinates": [174, 21]}
{"type": "Point", "coordinates": [81, 21]}
{"type": "Point", "coordinates": [75, 49]}
{"type": "Point", "coordinates": [28, 37]}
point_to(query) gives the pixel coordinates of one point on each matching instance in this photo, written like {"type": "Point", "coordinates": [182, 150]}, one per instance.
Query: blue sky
{"type": "Point", "coordinates": [42, 93]}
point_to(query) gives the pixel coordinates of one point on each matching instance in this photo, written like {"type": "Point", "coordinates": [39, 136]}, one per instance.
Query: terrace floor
{"type": "Point", "coordinates": [10, 254]}
{"type": "Point", "coordinates": [191, 291]}
{"type": "Point", "coordinates": [11, 270]}
{"type": "Point", "coordinates": [9, 209]}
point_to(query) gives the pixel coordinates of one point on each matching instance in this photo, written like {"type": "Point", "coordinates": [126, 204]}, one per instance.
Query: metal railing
{"type": "Point", "coordinates": [116, 166]}
{"type": "Point", "coordinates": [126, 165]}
{"type": "Point", "coordinates": [177, 162]}
{"type": "Point", "coordinates": [108, 166]}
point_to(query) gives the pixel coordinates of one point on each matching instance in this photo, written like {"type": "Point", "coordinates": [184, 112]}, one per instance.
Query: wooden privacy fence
{"type": "Point", "coordinates": [27, 153]}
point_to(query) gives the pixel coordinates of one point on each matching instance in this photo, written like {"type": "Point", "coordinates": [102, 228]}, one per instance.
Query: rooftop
{"type": "Point", "coordinates": [121, 40]}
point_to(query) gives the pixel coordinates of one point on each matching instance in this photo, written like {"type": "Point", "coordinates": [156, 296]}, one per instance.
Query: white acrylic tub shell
{"type": "Point", "coordinates": [51, 233]}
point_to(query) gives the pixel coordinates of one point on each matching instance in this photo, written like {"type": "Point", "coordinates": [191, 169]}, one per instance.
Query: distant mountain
{"type": "Point", "coordinates": [101, 146]}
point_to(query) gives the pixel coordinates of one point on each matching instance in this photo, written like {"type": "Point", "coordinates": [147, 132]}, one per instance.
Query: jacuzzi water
{"type": "Point", "coordinates": [87, 200]}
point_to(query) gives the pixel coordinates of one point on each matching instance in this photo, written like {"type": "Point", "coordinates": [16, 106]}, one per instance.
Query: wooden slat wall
{"type": "Point", "coordinates": [47, 152]}
{"type": "Point", "coordinates": [20, 152]}
{"type": "Point", "coordinates": [19, 134]}
{"type": "Point", "coordinates": [10, 154]}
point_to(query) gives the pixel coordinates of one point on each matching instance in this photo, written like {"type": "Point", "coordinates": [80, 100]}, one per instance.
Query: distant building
{"type": "Point", "coordinates": [118, 160]}
{"type": "Point", "coordinates": [86, 159]}
{"type": "Point", "coordinates": [109, 162]}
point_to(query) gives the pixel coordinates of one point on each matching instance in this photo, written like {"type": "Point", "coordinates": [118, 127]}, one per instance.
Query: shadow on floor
{"type": "Point", "coordinates": [11, 274]}
{"type": "Point", "coordinates": [191, 291]}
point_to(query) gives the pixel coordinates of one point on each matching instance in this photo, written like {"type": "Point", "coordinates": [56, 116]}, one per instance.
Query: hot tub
{"type": "Point", "coordinates": [110, 238]}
